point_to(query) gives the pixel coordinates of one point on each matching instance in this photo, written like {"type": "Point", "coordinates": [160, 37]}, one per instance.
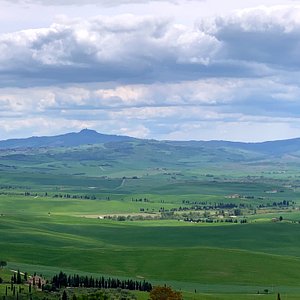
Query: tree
{"type": "Point", "coordinates": [64, 296]}
{"type": "Point", "coordinates": [19, 279]}
{"type": "Point", "coordinates": [278, 296]}
{"type": "Point", "coordinates": [3, 264]}
{"type": "Point", "coordinates": [237, 212]}
{"type": "Point", "coordinates": [164, 293]}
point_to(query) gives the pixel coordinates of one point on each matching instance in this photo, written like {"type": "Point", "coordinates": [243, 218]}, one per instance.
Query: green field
{"type": "Point", "coordinates": [59, 211]}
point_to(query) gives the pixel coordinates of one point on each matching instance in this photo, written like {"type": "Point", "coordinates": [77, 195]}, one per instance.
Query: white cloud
{"type": "Point", "coordinates": [123, 48]}
{"type": "Point", "coordinates": [194, 109]}
{"type": "Point", "coordinates": [151, 77]}
{"type": "Point", "coordinates": [88, 97]}
{"type": "Point", "coordinates": [87, 2]}
{"type": "Point", "coordinates": [129, 49]}
{"type": "Point", "coordinates": [266, 35]}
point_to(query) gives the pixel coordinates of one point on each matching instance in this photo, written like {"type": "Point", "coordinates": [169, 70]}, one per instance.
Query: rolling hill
{"type": "Point", "coordinates": [277, 148]}
{"type": "Point", "coordinates": [84, 137]}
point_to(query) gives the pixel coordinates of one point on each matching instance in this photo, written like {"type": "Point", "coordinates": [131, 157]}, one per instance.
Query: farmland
{"type": "Point", "coordinates": [223, 223]}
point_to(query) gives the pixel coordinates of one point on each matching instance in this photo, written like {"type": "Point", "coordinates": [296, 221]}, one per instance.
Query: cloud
{"type": "Point", "coordinates": [98, 97]}
{"type": "Point", "coordinates": [129, 49]}
{"type": "Point", "coordinates": [224, 78]}
{"type": "Point", "coordinates": [158, 110]}
{"type": "Point", "coordinates": [161, 123]}
{"type": "Point", "coordinates": [124, 48]}
{"type": "Point", "coordinates": [88, 2]}
{"type": "Point", "coordinates": [267, 35]}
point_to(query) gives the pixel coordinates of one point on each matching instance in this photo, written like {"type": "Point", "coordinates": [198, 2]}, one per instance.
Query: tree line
{"type": "Point", "coordinates": [62, 280]}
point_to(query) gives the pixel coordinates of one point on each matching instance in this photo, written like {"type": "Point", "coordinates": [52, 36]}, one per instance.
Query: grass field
{"type": "Point", "coordinates": [50, 203]}
{"type": "Point", "coordinates": [262, 254]}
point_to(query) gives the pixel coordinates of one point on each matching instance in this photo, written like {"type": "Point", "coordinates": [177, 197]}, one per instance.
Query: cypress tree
{"type": "Point", "coordinates": [19, 279]}
{"type": "Point", "coordinates": [278, 297]}
{"type": "Point", "coordinates": [64, 296]}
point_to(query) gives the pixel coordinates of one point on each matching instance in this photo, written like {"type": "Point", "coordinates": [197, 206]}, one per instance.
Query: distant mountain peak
{"type": "Point", "coordinates": [84, 137]}
{"type": "Point", "coordinates": [89, 132]}
{"type": "Point", "coordinates": [86, 130]}
{"type": "Point", "coordinates": [91, 137]}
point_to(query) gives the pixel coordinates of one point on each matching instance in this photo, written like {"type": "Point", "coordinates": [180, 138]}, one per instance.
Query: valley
{"type": "Point", "coordinates": [214, 220]}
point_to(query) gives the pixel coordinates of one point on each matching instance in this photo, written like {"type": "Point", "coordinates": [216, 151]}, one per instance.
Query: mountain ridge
{"type": "Point", "coordinates": [72, 139]}
{"type": "Point", "coordinates": [90, 137]}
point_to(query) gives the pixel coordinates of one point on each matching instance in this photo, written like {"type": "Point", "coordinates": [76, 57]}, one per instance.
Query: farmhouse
{"type": "Point", "coordinates": [36, 281]}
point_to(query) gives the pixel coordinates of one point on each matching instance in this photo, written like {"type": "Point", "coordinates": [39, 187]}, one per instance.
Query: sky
{"type": "Point", "coordinates": [174, 69]}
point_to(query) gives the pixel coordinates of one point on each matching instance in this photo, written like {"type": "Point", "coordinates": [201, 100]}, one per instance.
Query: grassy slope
{"type": "Point", "coordinates": [225, 258]}
{"type": "Point", "coordinates": [256, 254]}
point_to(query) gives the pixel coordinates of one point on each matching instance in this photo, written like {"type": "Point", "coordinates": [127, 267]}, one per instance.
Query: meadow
{"type": "Point", "coordinates": [59, 210]}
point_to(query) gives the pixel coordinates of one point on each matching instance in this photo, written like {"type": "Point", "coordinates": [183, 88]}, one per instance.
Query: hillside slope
{"type": "Point", "coordinates": [85, 136]}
